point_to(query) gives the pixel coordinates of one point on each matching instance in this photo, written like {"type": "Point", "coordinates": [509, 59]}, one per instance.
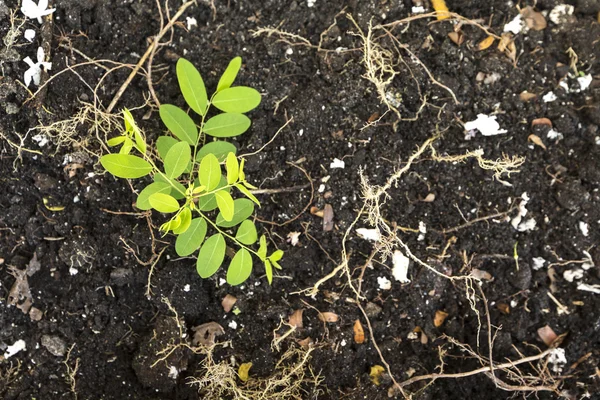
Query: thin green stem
{"type": "Point", "coordinates": [222, 232]}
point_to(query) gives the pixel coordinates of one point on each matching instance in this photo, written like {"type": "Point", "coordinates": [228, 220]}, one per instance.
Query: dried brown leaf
{"type": "Point", "coordinates": [429, 198]}
{"type": "Point", "coordinates": [486, 43]}
{"type": "Point", "coordinates": [359, 332]}
{"type": "Point", "coordinates": [541, 121]}
{"type": "Point", "coordinates": [440, 317]}
{"type": "Point", "coordinates": [328, 218]}
{"type": "Point", "coordinates": [205, 334]}
{"type": "Point", "coordinates": [533, 19]}
{"type": "Point", "coordinates": [305, 343]}
{"type": "Point", "coordinates": [295, 319]}
{"type": "Point", "coordinates": [457, 37]}
{"type": "Point", "coordinates": [535, 139]}
{"type": "Point", "coordinates": [228, 302]}
{"type": "Point", "coordinates": [503, 308]}
{"type": "Point", "coordinates": [525, 96]}
{"type": "Point", "coordinates": [480, 274]}
{"type": "Point", "coordinates": [315, 211]}
{"type": "Point", "coordinates": [547, 335]}
{"type": "Point", "coordinates": [20, 294]}
{"type": "Point", "coordinates": [328, 317]}
{"type": "Point", "coordinates": [373, 117]}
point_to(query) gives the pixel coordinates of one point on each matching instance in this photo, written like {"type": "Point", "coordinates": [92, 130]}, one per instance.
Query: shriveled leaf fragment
{"type": "Point", "coordinates": [457, 37]}
{"type": "Point", "coordinates": [503, 308]}
{"type": "Point", "coordinates": [533, 19]}
{"type": "Point", "coordinates": [535, 139]}
{"type": "Point", "coordinates": [328, 218]}
{"type": "Point", "coordinates": [243, 371]}
{"type": "Point", "coordinates": [440, 317]}
{"type": "Point", "coordinates": [295, 319]}
{"type": "Point", "coordinates": [526, 96]}
{"type": "Point", "coordinates": [359, 332]}
{"type": "Point", "coordinates": [485, 43]}
{"type": "Point", "coordinates": [481, 274]}
{"type": "Point", "coordinates": [377, 372]}
{"type": "Point", "coordinates": [228, 302]}
{"type": "Point", "coordinates": [205, 334]}
{"type": "Point", "coordinates": [20, 294]}
{"type": "Point", "coordinates": [328, 317]}
{"type": "Point", "coordinates": [547, 335]}
{"type": "Point", "coordinates": [305, 343]}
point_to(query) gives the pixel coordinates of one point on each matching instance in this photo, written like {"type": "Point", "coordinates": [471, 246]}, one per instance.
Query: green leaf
{"type": "Point", "coordinates": [131, 126]}
{"type": "Point", "coordinates": [125, 165]}
{"type": "Point", "coordinates": [211, 255]}
{"type": "Point", "coordinates": [225, 204]}
{"type": "Point", "coordinates": [164, 144]}
{"type": "Point", "coordinates": [163, 203]}
{"type": "Point", "coordinates": [269, 271]}
{"type": "Point", "coordinates": [230, 73]}
{"type": "Point", "coordinates": [240, 268]}
{"type": "Point", "coordinates": [239, 99]}
{"type": "Point", "coordinates": [276, 256]}
{"type": "Point", "coordinates": [246, 233]}
{"type": "Point", "coordinates": [179, 123]}
{"type": "Point", "coordinates": [210, 172]}
{"type": "Point", "coordinates": [170, 225]}
{"type": "Point", "coordinates": [247, 193]}
{"type": "Point", "coordinates": [157, 187]}
{"type": "Point", "coordinates": [276, 264]}
{"type": "Point", "coordinates": [262, 248]}
{"type": "Point", "coordinates": [208, 202]}
{"type": "Point", "coordinates": [115, 141]}
{"type": "Point", "coordinates": [219, 148]}
{"type": "Point", "coordinates": [127, 146]}
{"type": "Point", "coordinates": [243, 208]}
{"type": "Point", "coordinates": [177, 189]}
{"type": "Point", "coordinates": [190, 240]}
{"type": "Point", "coordinates": [186, 219]}
{"type": "Point", "coordinates": [226, 125]}
{"type": "Point", "coordinates": [192, 86]}
{"type": "Point", "coordinates": [177, 159]}
{"type": "Point", "coordinates": [232, 167]}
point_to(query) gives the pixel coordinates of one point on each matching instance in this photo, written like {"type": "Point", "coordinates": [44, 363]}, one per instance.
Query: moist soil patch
{"type": "Point", "coordinates": [91, 328]}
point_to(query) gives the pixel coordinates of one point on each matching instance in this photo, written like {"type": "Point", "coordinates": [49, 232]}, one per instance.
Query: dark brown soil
{"type": "Point", "coordinates": [116, 329]}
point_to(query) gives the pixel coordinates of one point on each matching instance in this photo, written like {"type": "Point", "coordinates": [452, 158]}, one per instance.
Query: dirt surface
{"type": "Point", "coordinates": [93, 332]}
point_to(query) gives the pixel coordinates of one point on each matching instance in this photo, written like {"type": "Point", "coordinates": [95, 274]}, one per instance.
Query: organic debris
{"type": "Point", "coordinates": [328, 317]}
{"type": "Point", "coordinates": [547, 335]}
{"type": "Point", "coordinates": [228, 302]}
{"type": "Point", "coordinates": [376, 374]}
{"type": "Point", "coordinates": [20, 294]}
{"type": "Point", "coordinates": [244, 370]}
{"type": "Point", "coordinates": [359, 332]}
{"type": "Point", "coordinates": [295, 319]}
{"type": "Point", "coordinates": [205, 334]}
{"type": "Point", "coordinates": [440, 317]}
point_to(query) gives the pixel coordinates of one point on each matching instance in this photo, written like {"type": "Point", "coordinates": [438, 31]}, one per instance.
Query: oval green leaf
{"type": "Point", "coordinates": [177, 189]}
{"type": "Point", "coordinates": [209, 202]}
{"type": "Point", "coordinates": [211, 255]}
{"type": "Point", "coordinates": [186, 219]}
{"type": "Point", "coordinates": [115, 141]}
{"type": "Point", "coordinates": [190, 240]}
{"type": "Point", "coordinates": [269, 271]}
{"type": "Point", "coordinates": [226, 125]}
{"type": "Point", "coordinates": [177, 159]}
{"type": "Point", "coordinates": [219, 148]}
{"type": "Point", "coordinates": [164, 144]}
{"type": "Point", "coordinates": [179, 123]}
{"type": "Point", "coordinates": [238, 99]}
{"type": "Point", "coordinates": [242, 209]}
{"type": "Point", "coordinates": [232, 167]}
{"type": "Point", "coordinates": [276, 256]}
{"type": "Point", "coordinates": [131, 126]}
{"type": "Point", "coordinates": [225, 204]}
{"type": "Point", "coordinates": [163, 203]}
{"type": "Point", "coordinates": [125, 165]}
{"type": "Point", "coordinates": [142, 201]}
{"type": "Point", "coordinates": [192, 86]}
{"type": "Point", "coordinates": [210, 172]}
{"type": "Point", "coordinates": [240, 268]}
{"type": "Point", "coordinates": [230, 73]}
{"type": "Point", "coordinates": [247, 193]}
{"type": "Point", "coordinates": [246, 233]}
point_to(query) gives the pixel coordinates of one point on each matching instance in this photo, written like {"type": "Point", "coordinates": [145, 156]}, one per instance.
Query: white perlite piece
{"type": "Point", "coordinates": [337, 163]}
{"type": "Point", "coordinates": [384, 283]}
{"type": "Point", "coordinates": [589, 288]}
{"type": "Point", "coordinates": [418, 10]}
{"type": "Point", "coordinates": [173, 372]}
{"type": "Point", "coordinates": [15, 348]}
{"type": "Point", "coordinates": [310, 3]}
{"type": "Point", "coordinates": [41, 140]}
{"type": "Point", "coordinates": [558, 13]}
{"type": "Point", "coordinates": [29, 34]}
{"type": "Point", "coordinates": [517, 222]}
{"type": "Point", "coordinates": [538, 263]}
{"type": "Point", "coordinates": [369, 234]}
{"type": "Point", "coordinates": [487, 125]}
{"type": "Point", "coordinates": [422, 231]}
{"type": "Point", "coordinates": [190, 22]}
{"type": "Point", "coordinates": [557, 359]}
{"type": "Point", "coordinates": [35, 69]}
{"type": "Point", "coordinates": [584, 228]}
{"type": "Point", "coordinates": [515, 26]}
{"type": "Point", "coordinates": [549, 97]}
{"type": "Point", "coordinates": [36, 11]}
{"type": "Point", "coordinates": [572, 274]}
{"type": "Point", "coordinates": [584, 81]}
{"type": "Point", "coordinates": [400, 267]}
{"type": "Point", "coordinates": [232, 325]}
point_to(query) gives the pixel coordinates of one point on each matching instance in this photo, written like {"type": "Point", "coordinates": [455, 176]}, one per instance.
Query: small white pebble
{"type": "Point", "coordinates": [337, 163]}
{"type": "Point", "coordinates": [29, 34]}
{"type": "Point", "coordinates": [311, 3]}
{"type": "Point", "coordinates": [384, 283]}
{"type": "Point", "coordinates": [321, 188]}
{"type": "Point", "coordinates": [584, 228]}
{"type": "Point", "coordinates": [222, 281]}
{"type": "Point", "coordinates": [76, 199]}
{"type": "Point", "coordinates": [233, 325]}
{"type": "Point", "coordinates": [418, 10]}
{"type": "Point", "coordinates": [190, 22]}
{"type": "Point", "coordinates": [289, 51]}
{"type": "Point", "coordinates": [73, 271]}
{"type": "Point", "coordinates": [549, 97]}
{"type": "Point", "coordinates": [301, 132]}
{"type": "Point", "coordinates": [186, 288]}
{"type": "Point", "coordinates": [282, 148]}
{"type": "Point", "coordinates": [343, 342]}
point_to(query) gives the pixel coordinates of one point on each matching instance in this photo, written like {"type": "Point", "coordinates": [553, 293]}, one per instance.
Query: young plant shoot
{"type": "Point", "coordinates": [198, 176]}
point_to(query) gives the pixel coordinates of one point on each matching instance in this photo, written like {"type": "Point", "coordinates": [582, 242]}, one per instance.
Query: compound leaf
{"type": "Point", "coordinates": [240, 268]}
{"type": "Point", "coordinates": [238, 99]}
{"type": "Point", "coordinates": [211, 255]}
{"type": "Point", "coordinates": [230, 73]}
{"type": "Point", "coordinates": [243, 208]}
{"type": "Point", "coordinates": [192, 86]}
{"type": "Point", "coordinates": [179, 123]}
{"type": "Point", "coordinates": [225, 204]}
{"type": "Point", "coordinates": [210, 172]}
{"type": "Point", "coordinates": [177, 159]}
{"type": "Point", "coordinates": [246, 233]}
{"type": "Point", "coordinates": [226, 125]}
{"type": "Point", "coordinates": [142, 201]}
{"type": "Point", "coordinates": [125, 165]}
{"type": "Point", "coordinates": [190, 240]}
{"type": "Point", "coordinates": [163, 203]}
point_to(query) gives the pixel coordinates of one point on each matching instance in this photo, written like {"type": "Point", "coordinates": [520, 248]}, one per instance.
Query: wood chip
{"type": "Point", "coordinates": [535, 139]}
{"type": "Point", "coordinates": [480, 274]}
{"type": "Point", "coordinates": [359, 333]}
{"type": "Point", "coordinates": [205, 334]}
{"type": "Point", "coordinates": [440, 317]}
{"type": "Point", "coordinates": [486, 43]}
{"type": "Point", "coordinates": [328, 218]}
{"type": "Point", "coordinates": [228, 302]}
{"type": "Point", "coordinates": [547, 335]}
{"type": "Point", "coordinates": [328, 317]}
{"type": "Point", "coordinates": [526, 96]}
{"type": "Point", "coordinates": [373, 117]}
{"type": "Point", "coordinates": [540, 121]}
{"type": "Point", "coordinates": [503, 308]}
{"type": "Point", "coordinates": [295, 319]}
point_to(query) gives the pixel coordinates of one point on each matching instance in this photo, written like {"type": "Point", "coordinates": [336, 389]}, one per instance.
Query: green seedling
{"type": "Point", "coordinates": [198, 176]}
